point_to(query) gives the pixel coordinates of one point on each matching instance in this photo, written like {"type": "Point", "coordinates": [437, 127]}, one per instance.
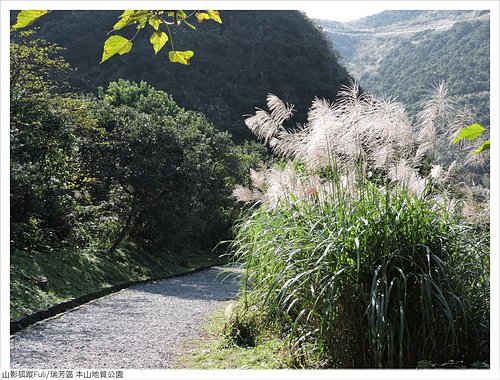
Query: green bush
{"type": "Point", "coordinates": [360, 244]}
{"type": "Point", "coordinates": [244, 326]}
{"type": "Point", "coordinates": [166, 170]}
{"type": "Point", "coordinates": [378, 281]}
{"type": "Point", "coordinates": [92, 172]}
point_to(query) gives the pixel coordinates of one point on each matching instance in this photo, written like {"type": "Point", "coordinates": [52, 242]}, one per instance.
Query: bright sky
{"type": "Point", "coordinates": [340, 11]}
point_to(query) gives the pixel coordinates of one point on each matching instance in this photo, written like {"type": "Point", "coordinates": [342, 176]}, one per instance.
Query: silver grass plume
{"type": "Point", "coordinates": [407, 176]}
{"type": "Point", "coordinates": [289, 144]}
{"type": "Point", "coordinates": [473, 209]}
{"type": "Point", "coordinates": [280, 111]}
{"type": "Point", "coordinates": [351, 95]}
{"type": "Point", "coordinates": [476, 160]}
{"type": "Point", "coordinates": [323, 126]}
{"type": "Point", "coordinates": [437, 113]}
{"type": "Point", "coordinates": [357, 128]}
{"type": "Point", "coordinates": [266, 125]}
{"type": "Point", "coordinates": [243, 194]}
{"type": "Point", "coordinates": [437, 173]}
{"type": "Point", "coordinates": [463, 118]}
{"type": "Point", "coordinates": [389, 133]}
{"type": "Point", "coordinates": [258, 178]}
{"type": "Point", "coordinates": [281, 183]}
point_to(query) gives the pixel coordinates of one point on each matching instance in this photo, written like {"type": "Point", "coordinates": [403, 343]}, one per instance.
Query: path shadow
{"type": "Point", "coordinates": [210, 285]}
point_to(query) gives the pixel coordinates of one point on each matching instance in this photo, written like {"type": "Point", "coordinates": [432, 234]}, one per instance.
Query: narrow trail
{"type": "Point", "coordinates": [141, 327]}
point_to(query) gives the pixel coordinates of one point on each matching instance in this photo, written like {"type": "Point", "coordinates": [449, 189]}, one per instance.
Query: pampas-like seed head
{"type": "Point", "coordinates": [243, 194]}
{"type": "Point", "coordinates": [356, 131]}
{"type": "Point", "coordinates": [258, 179]}
{"type": "Point", "coordinates": [266, 125]}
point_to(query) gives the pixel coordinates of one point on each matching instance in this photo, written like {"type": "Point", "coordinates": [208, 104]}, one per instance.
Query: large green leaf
{"type": "Point", "coordinates": [115, 45]}
{"type": "Point", "coordinates": [214, 15]}
{"type": "Point", "coordinates": [28, 17]}
{"type": "Point", "coordinates": [202, 16]}
{"type": "Point", "coordinates": [208, 15]}
{"type": "Point", "coordinates": [180, 56]}
{"type": "Point", "coordinates": [484, 146]}
{"type": "Point", "coordinates": [181, 14]}
{"type": "Point", "coordinates": [158, 40]}
{"type": "Point", "coordinates": [470, 133]}
{"type": "Point", "coordinates": [131, 17]}
{"type": "Point", "coordinates": [154, 22]}
{"type": "Point", "coordinates": [123, 22]}
{"type": "Point", "coordinates": [139, 15]}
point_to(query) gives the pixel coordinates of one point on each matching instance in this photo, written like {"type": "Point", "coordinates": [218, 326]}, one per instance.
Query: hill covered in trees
{"type": "Point", "coordinates": [404, 53]}
{"type": "Point", "coordinates": [236, 63]}
{"type": "Point", "coordinates": [129, 162]}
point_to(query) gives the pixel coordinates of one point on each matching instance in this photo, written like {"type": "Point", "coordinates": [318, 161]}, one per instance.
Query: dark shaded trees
{"type": "Point", "coordinates": [173, 170]}
{"type": "Point", "coordinates": [129, 163]}
{"type": "Point", "coordinates": [237, 62]}
{"type": "Point", "coordinates": [45, 125]}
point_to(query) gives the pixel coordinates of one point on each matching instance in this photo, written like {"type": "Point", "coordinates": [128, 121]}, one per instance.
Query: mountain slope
{"type": "Point", "coordinates": [405, 53]}
{"type": "Point", "coordinates": [236, 63]}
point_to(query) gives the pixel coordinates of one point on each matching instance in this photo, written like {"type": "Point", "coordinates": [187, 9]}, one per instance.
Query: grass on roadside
{"type": "Point", "coordinates": [214, 349]}
{"type": "Point", "coordinates": [41, 280]}
{"type": "Point", "coordinates": [380, 280]}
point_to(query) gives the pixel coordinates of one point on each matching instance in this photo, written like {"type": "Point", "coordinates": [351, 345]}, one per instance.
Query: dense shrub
{"type": "Point", "coordinates": [361, 245]}
{"type": "Point", "coordinates": [378, 281]}
{"type": "Point", "coordinates": [171, 171]}
{"type": "Point", "coordinates": [92, 172]}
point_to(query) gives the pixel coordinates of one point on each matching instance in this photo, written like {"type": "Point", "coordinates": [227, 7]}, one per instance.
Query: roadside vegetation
{"type": "Point", "coordinates": [111, 179]}
{"type": "Point", "coordinates": [367, 252]}
{"type": "Point", "coordinates": [230, 339]}
{"type": "Point", "coordinates": [41, 280]}
{"type": "Point", "coordinates": [109, 188]}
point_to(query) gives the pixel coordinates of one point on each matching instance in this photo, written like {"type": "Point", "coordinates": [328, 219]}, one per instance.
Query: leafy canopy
{"type": "Point", "coordinates": [156, 19]}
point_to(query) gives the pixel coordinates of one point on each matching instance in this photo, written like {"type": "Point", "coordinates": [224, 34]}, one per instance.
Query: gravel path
{"type": "Point", "coordinates": [140, 327]}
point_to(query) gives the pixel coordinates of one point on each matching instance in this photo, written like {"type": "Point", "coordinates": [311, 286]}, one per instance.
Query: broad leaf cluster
{"type": "Point", "coordinates": [157, 19]}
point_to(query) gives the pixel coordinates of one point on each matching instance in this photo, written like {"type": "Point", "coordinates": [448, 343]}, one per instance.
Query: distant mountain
{"type": "Point", "coordinates": [404, 53]}
{"type": "Point", "coordinates": [236, 63]}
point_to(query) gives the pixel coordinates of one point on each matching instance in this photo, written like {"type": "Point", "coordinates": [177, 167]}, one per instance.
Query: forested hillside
{"type": "Point", "coordinates": [402, 53]}
{"type": "Point", "coordinates": [236, 63]}
{"type": "Point", "coordinates": [92, 174]}
{"type": "Point", "coordinates": [135, 152]}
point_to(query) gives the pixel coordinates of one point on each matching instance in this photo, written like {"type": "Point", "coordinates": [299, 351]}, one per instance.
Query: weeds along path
{"type": "Point", "coordinates": [140, 327]}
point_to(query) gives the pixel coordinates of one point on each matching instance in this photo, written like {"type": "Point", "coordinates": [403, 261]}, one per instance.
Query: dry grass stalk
{"type": "Point", "coordinates": [357, 129]}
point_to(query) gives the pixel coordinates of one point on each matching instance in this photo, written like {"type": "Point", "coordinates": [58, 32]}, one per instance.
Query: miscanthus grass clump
{"type": "Point", "coordinates": [359, 244]}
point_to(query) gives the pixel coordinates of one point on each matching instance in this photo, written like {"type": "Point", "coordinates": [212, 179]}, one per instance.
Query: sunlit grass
{"type": "Point", "coordinates": [73, 274]}
{"type": "Point", "coordinates": [215, 349]}
{"type": "Point", "coordinates": [384, 280]}
{"type": "Point", "coordinates": [364, 244]}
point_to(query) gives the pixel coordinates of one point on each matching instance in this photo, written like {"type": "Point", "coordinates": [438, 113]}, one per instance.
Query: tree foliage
{"type": "Point", "coordinates": [472, 132]}
{"type": "Point", "coordinates": [127, 164]}
{"type": "Point", "coordinates": [157, 19]}
{"type": "Point", "coordinates": [237, 62]}
{"type": "Point", "coordinates": [403, 52]}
